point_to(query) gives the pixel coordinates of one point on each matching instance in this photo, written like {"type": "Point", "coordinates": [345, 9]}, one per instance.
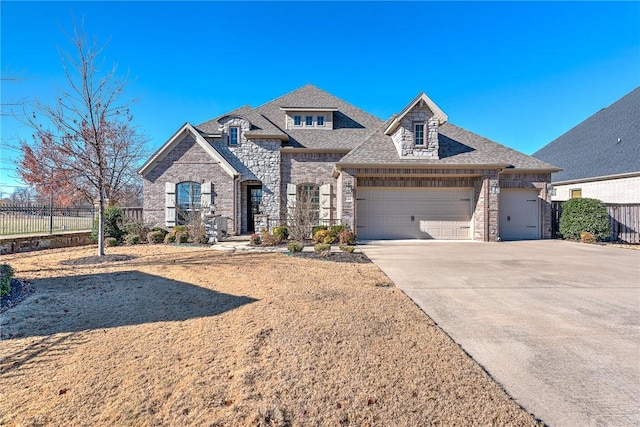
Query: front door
{"type": "Point", "coordinates": [254, 199]}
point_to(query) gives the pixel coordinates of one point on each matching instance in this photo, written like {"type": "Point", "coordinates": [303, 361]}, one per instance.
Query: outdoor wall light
{"type": "Point", "coordinates": [551, 190]}
{"type": "Point", "coordinates": [494, 188]}
{"type": "Point", "coordinates": [349, 187]}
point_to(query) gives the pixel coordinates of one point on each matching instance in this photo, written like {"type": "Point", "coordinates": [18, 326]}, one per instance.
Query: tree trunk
{"type": "Point", "coordinates": [101, 225]}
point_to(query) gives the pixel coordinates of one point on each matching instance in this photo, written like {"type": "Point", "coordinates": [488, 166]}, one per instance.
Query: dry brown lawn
{"type": "Point", "coordinates": [183, 336]}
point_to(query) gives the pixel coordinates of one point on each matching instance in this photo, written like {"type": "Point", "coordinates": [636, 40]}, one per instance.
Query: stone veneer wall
{"type": "Point", "coordinates": [302, 168]}
{"type": "Point", "coordinates": [257, 160]}
{"type": "Point", "coordinates": [186, 162]}
{"type": "Point", "coordinates": [403, 137]}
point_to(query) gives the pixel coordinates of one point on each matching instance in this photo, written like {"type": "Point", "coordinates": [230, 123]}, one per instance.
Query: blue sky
{"type": "Point", "coordinates": [519, 73]}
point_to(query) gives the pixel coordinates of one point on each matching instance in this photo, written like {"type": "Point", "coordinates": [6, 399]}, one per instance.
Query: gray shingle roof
{"type": "Point", "coordinates": [259, 124]}
{"type": "Point", "coordinates": [457, 147]}
{"type": "Point", "coordinates": [592, 148]}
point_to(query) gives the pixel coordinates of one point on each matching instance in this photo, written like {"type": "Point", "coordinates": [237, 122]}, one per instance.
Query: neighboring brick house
{"type": "Point", "coordinates": [413, 176]}
{"type": "Point", "coordinates": [600, 157]}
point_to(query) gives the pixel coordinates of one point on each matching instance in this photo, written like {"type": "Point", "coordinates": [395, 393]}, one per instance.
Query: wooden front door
{"type": "Point", "coordinates": [254, 200]}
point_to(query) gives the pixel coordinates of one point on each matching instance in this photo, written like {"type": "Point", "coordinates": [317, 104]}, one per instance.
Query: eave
{"type": "Point", "coordinates": [422, 97]}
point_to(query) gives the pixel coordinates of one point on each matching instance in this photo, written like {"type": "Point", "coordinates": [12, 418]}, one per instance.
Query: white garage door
{"type": "Point", "coordinates": [519, 214]}
{"type": "Point", "coordinates": [400, 213]}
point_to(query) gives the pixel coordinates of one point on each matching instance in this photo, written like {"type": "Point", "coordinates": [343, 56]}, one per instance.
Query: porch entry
{"type": "Point", "coordinates": [254, 201]}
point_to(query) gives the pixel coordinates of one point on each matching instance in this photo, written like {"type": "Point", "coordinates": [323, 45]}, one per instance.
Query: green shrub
{"type": "Point", "coordinates": [111, 241]}
{"type": "Point", "coordinates": [282, 232]}
{"type": "Point", "coordinates": [255, 240]}
{"type": "Point", "coordinates": [346, 237]}
{"type": "Point", "coordinates": [322, 248]}
{"type": "Point", "coordinates": [156, 236]}
{"type": "Point", "coordinates": [159, 229]}
{"type": "Point", "coordinates": [132, 239]}
{"type": "Point", "coordinates": [6, 274]}
{"type": "Point", "coordinates": [323, 236]}
{"type": "Point", "coordinates": [180, 229]}
{"type": "Point", "coordinates": [295, 247]}
{"type": "Point", "coordinates": [182, 237]}
{"type": "Point", "coordinates": [112, 224]}
{"type": "Point", "coordinates": [317, 228]}
{"type": "Point", "coordinates": [336, 229]}
{"type": "Point", "coordinates": [584, 215]}
{"type": "Point", "coordinates": [170, 238]}
{"type": "Point", "coordinates": [135, 228]}
{"type": "Point", "coordinates": [347, 248]}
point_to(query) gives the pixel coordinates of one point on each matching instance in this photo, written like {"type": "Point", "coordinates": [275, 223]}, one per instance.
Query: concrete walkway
{"type": "Point", "coordinates": [556, 323]}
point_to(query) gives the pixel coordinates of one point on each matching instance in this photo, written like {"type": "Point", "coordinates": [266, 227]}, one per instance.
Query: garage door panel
{"type": "Point", "coordinates": [519, 214]}
{"type": "Point", "coordinates": [437, 214]}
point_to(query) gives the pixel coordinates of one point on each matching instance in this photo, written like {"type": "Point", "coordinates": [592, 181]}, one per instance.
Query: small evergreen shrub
{"type": "Point", "coordinates": [6, 274]}
{"type": "Point", "coordinates": [584, 215]}
{"type": "Point", "coordinates": [347, 248]}
{"type": "Point", "coordinates": [295, 247]}
{"type": "Point", "coordinates": [282, 232]}
{"type": "Point", "coordinates": [132, 239]}
{"type": "Point", "coordinates": [135, 228]}
{"type": "Point", "coordinates": [182, 237]}
{"type": "Point", "coordinates": [323, 236]}
{"type": "Point", "coordinates": [317, 228]}
{"type": "Point", "coordinates": [336, 229]}
{"type": "Point", "coordinates": [170, 238]}
{"type": "Point", "coordinates": [111, 241]}
{"type": "Point", "coordinates": [255, 240]}
{"type": "Point", "coordinates": [156, 236]}
{"type": "Point", "coordinates": [322, 248]}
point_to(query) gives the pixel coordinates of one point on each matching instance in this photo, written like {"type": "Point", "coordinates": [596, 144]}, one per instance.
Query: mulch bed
{"type": "Point", "coordinates": [359, 258]}
{"type": "Point", "coordinates": [19, 291]}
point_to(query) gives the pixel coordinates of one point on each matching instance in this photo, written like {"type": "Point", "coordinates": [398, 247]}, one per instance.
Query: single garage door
{"type": "Point", "coordinates": [400, 213]}
{"type": "Point", "coordinates": [519, 214]}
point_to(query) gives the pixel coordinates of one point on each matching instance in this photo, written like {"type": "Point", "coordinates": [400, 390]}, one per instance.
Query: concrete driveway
{"type": "Point", "coordinates": [556, 323]}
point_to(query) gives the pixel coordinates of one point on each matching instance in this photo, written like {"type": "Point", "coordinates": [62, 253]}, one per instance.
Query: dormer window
{"type": "Point", "coordinates": [308, 121]}
{"type": "Point", "coordinates": [234, 131]}
{"type": "Point", "coordinates": [297, 120]}
{"type": "Point", "coordinates": [320, 121]}
{"type": "Point", "coordinates": [418, 133]}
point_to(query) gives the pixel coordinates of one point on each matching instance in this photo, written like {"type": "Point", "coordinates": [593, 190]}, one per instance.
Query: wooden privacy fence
{"type": "Point", "coordinates": [132, 213]}
{"type": "Point", "coordinates": [624, 219]}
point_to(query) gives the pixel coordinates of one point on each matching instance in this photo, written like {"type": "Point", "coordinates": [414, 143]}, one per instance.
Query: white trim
{"type": "Point", "coordinates": [237, 128]}
{"type": "Point", "coordinates": [415, 134]}
{"type": "Point", "coordinates": [175, 139]}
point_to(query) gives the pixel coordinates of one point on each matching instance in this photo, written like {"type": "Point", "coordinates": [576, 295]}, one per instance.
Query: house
{"type": "Point", "coordinates": [414, 176]}
{"type": "Point", "coordinates": [600, 157]}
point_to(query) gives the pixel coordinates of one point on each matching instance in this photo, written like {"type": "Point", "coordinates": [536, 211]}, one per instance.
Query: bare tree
{"type": "Point", "coordinates": [85, 140]}
{"type": "Point", "coordinates": [302, 215]}
{"type": "Point", "coordinates": [23, 195]}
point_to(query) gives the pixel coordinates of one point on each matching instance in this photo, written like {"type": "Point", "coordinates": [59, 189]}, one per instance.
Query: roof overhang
{"type": "Point", "coordinates": [185, 130]}
{"type": "Point", "coordinates": [314, 150]}
{"type": "Point", "coordinates": [421, 99]}
{"type": "Point", "coordinates": [422, 166]}
{"type": "Point", "coordinates": [319, 109]}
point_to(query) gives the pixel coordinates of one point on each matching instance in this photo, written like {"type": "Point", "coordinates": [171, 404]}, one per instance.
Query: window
{"type": "Point", "coordinates": [233, 135]}
{"type": "Point", "coordinates": [188, 201]}
{"type": "Point", "coordinates": [418, 134]}
{"type": "Point", "coordinates": [308, 121]}
{"type": "Point", "coordinates": [309, 198]}
{"type": "Point", "coordinates": [297, 120]}
{"type": "Point", "coordinates": [576, 193]}
{"type": "Point", "coordinates": [320, 120]}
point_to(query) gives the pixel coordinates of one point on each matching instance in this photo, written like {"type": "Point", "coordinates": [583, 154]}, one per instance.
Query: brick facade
{"type": "Point", "coordinates": [187, 161]}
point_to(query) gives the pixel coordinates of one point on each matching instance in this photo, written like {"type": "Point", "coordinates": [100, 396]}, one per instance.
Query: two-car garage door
{"type": "Point", "coordinates": [399, 213]}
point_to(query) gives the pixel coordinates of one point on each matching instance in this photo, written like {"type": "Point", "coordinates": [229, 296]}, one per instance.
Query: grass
{"type": "Point", "coordinates": [32, 224]}
{"type": "Point", "coordinates": [188, 336]}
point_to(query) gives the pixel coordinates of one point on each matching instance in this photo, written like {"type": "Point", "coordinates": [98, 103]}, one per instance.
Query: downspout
{"type": "Point", "coordinates": [498, 210]}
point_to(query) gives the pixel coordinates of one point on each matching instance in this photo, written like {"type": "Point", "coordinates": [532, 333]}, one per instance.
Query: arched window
{"type": "Point", "coordinates": [188, 199]}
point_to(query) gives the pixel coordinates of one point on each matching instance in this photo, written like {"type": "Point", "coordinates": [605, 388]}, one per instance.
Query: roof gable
{"type": "Point", "coordinates": [175, 139]}
{"type": "Point", "coordinates": [421, 100]}
{"type": "Point", "coordinates": [607, 143]}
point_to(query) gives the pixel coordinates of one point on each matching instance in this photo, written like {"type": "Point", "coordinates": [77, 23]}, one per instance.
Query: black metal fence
{"type": "Point", "coordinates": [37, 219]}
{"type": "Point", "coordinates": [624, 219]}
